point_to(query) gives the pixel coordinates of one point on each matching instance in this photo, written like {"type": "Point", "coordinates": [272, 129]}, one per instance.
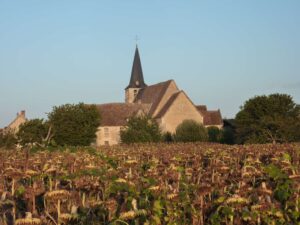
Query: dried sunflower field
{"type": "Point", "coordinates": [152, 184]}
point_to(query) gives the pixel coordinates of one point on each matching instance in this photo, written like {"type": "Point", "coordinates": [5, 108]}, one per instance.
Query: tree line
{"type": "Point", "coordinates": [262, 119]}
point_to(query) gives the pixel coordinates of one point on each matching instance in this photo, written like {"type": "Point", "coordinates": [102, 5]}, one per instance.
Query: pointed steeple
{"type": "Point", "coordinates": [137, 78]}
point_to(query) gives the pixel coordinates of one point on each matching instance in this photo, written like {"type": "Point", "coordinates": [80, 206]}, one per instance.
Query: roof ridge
{"type": "Point", "coordinates": [161, 94]}
{"type": "Point", "coordinates": [168, 104]}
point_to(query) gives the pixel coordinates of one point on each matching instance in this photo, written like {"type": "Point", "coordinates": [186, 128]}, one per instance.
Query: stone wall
{"type": "Point", "coordinates": [14, 126]}
{"type": "Point", "coordinates": [130, 94]}
{"type": "Point", "coordinates": [172, 89]}
{"type": "Point", "coordinates": [181, 109]}
{"type": "Point", "coordinates": [108, 135]}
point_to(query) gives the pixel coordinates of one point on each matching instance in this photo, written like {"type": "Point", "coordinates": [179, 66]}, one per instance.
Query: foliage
{"type": "Point", "coordinates": [191, 131]}
{"type": "Point", "coordinates": [141, 184]}
{"type": "Point", "coordinates": [167, 137]}
{"type": "Point", "coordinates": [74, 124]}
{"type": "Point", "coordinates": [32, 131]}
{"type": "Point", "coordinates": [228, 136]}
{"type": "Point", "coordinates": [8, 140]}
{"type": "Point", "coordinates": [214, 134]}
{"type": "Point", "coordinates": [140, 129]}
{"type": "Point", "coordinates": [264, 119]}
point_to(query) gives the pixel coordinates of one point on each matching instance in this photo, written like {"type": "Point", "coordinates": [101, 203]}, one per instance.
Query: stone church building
{"type": "Point", "coordinates": [163, 101]}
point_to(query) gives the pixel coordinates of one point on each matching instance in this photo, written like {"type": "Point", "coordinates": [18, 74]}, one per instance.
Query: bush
{"type": "Point", "coordinates": [214, 134]}
{"type": "Point", "coordinates": [74, 125]}
{"type": "Point", "coordinates": [191, 131]}
{"type": "Point", "coordinates": [228, 136]}
{"type": "Point", "coordinates": [140, 129]}
{"type": "Point", "coordinates": [167, 137]}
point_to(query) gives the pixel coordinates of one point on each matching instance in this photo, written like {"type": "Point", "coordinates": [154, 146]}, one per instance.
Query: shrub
{"type": "Point", "coordinates": [191, 131]}
{"type": "Point", "coordinates": [167, 137]}
{"type": "Point", "coordinates": [140, 129]}
{"type": "Point", "coordinates": [228, 136]}
{"type": "Point", "coordinates": [214, 134]}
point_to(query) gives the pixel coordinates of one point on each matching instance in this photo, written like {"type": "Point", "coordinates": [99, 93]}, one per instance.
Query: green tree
{"type": "Point", "coordinates": [167, 137]}
{"type": "Point", "coordinates": [214, 134]}
{"type": "Point", "coordinates": [8, 140]}
{"type": "Point", "coordinates": [74, 124]}
{"type": "Point", "coordinates": [34, 131]}
{"type": "Point", "coordinates": [191, 131]}
{"type": "Point", "coordinates": [141, 129]}
{"type": "Point", "coordinates": [268, 119]}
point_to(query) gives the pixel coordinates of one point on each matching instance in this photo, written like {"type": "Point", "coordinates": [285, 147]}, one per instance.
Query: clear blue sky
{"type": "Point", "coordinates": [220, 52]}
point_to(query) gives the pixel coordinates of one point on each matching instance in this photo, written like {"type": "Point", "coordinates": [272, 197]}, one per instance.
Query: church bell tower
{"type": "Point", "coordinates": [136, 80]}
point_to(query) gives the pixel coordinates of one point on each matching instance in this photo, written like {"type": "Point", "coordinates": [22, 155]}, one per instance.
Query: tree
{"type": "Point", "coordinates": [74, 124]}
{"type": "Point", "coordinates": [191, 131]}
{"type": "Point", "coordinates": [140, 129]}
{"type": "Point", "coordinates": [265, 119]}
{"type": "Point", "coordinates": [34, 131]}
{"type": "Point", "coordinates": [8, 140]}
{"type": "Point", "coordinates": [228, 132]}
{"type": "Point", "coordinates": [214, 134]}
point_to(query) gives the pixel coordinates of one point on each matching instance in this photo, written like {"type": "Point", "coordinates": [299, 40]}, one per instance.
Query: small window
{"type": "Point", "coordinates": [106, 132]}
{"type": "Point", "coordinates": [135, 92]}
{"type": "Point", "coordinates": [106, 142]}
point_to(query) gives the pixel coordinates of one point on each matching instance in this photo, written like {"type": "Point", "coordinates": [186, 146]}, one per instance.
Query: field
{"type": "Point", "coordinates": [152, 184]}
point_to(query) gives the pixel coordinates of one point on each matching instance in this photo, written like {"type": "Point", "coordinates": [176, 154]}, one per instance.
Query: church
{"type": "Point", "coordinates": [164, 102]}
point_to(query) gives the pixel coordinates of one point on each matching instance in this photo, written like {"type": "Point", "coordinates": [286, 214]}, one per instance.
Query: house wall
{"type": "Point", "coordinates": [172, 89]}
{"type": "Point", "coordinates": [108, 135]}
{"type": "Point", "coordinates": [181, 109]}
{"type": "Point", "coordinates": [16, 123]}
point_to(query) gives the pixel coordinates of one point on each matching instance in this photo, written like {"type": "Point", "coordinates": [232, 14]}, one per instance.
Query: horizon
{"type": "Point", "coordinates": [219, 53]}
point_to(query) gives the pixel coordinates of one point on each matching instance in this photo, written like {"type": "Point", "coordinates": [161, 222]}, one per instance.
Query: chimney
{"type": "Point", "coordinates": [22, 113]}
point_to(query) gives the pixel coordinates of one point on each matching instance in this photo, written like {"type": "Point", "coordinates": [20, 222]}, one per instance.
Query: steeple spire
{"type": "Point", "coordinates": [137, 78]}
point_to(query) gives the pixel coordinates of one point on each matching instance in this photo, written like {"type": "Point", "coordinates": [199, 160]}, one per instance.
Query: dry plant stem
{"type": "Point", "coordinates": [14, 214]}
{"type": "Point", "coordinates": [50, 183]}
{"type": "Point", "coordinates": [201, 210]}
{"type": "Point", "coordinates": [297, 202]}
{"type": "Point", "coordinates": [51, 218]}
{"type": "Point", "coordinates": [83, 199]}
{"type": "Point", "coordinates": [13, 187]}
{"type": "Point", "coordinates": [58, 212]}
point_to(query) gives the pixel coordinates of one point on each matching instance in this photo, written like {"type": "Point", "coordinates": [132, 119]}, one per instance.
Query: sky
{"type": "Point", "coordinates": [221, 53]}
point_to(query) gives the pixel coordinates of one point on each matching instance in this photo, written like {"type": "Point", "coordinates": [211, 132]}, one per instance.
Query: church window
{"type": "Point", "coordinates": [135, 92]}
{"type": "Point", "coordinates": [106, 142]}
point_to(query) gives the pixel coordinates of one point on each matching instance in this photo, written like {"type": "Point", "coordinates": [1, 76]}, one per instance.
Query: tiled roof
{"type": "Point", "coordinates": [116, 114]}
{"type": "Point", "coordinates": [212, 118]}
{"type": "Point", "coordinates": [152, 95]}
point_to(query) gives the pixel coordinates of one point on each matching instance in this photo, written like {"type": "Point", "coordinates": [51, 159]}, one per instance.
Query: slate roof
{"type": "Point", "coordinates": [137, 78]}
{"type": "Point", "coordinates": [116, 114]}
{"type": "Point", "coordinates": [152, 95]}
